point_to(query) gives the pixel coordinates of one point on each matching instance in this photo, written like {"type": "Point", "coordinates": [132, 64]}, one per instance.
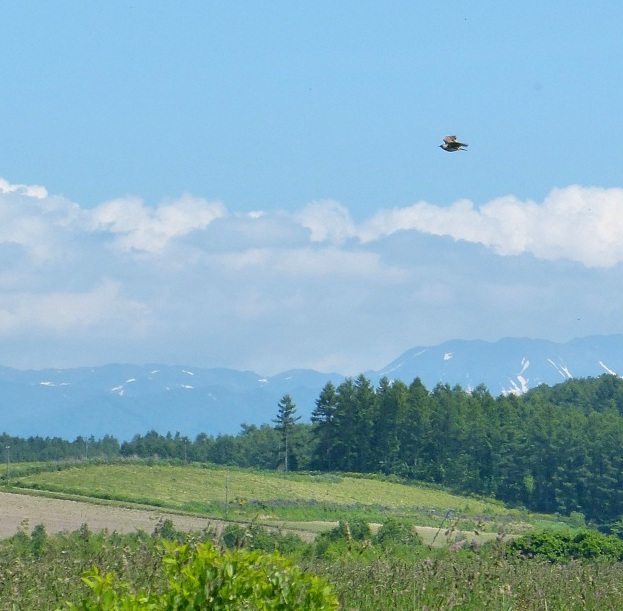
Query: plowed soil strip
{"type": "Point", "coordinates": [64, 515]}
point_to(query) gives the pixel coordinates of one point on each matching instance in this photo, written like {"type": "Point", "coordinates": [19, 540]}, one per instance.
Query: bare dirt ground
{"type": "Point", "coordinates": [57, 515]}
{"type": "Point", "coordinates": [63, 515]}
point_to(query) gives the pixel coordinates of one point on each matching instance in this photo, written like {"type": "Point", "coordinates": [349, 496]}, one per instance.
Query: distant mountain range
{"type": "Point", "coordinates": [123, 400]}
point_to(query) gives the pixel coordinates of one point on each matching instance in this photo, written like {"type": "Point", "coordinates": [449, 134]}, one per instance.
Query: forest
{"type": "Point", "coordinates": [553, 449]}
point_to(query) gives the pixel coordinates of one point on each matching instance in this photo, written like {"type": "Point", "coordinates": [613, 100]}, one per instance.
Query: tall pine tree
{"type": "Point", "coordinates": [324, 427]}
{"type": "Point", "coordinates": [284, 423]}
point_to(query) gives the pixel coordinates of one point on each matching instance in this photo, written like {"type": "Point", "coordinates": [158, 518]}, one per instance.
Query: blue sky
{"type": "Point", "coordinates": [259, 184]}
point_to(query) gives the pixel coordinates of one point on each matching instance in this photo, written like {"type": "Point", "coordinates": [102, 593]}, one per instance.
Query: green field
{"type": "Point", "coordinates": [307, 501]}
{"type": "Point", "coordinates": [182, 486]}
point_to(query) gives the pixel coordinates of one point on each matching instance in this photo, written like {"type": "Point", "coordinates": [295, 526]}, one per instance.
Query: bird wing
{"type": "Point", "coordinates": [449, 139]}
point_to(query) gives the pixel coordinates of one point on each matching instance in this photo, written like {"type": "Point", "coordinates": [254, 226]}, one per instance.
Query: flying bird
{"type": "Point", "coordinates": [451, 144]}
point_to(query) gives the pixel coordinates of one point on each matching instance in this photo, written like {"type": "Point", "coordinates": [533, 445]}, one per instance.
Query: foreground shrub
{"type": "Point", "coordinates": [397, 532]}
{"type": "Point", "coordinates": [342, 538]}
{"type": "Point", "coordinates": [562, 546]}
{"type": "Point", "coordinates": [235, 536]}
{"type": "Point", "coordinates": [201, 577]}
{"type": "Point", "coordinates": [259, 538]}
{"type": "Point", "coordinates": [356, 530]}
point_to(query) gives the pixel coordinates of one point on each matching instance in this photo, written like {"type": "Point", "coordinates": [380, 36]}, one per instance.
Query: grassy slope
{"type": "Point", "coordinates": [312, 502]}
{"type": "Point", "coordinates": [180, 486]}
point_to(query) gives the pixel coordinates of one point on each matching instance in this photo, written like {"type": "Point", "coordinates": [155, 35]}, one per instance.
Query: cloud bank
{"type": "Point", "coordinates": [190, 282]}
{"type": "Point", "coordinates": [576, 223]}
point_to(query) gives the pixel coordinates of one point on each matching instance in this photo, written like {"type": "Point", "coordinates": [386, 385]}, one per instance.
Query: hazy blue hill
{"type": "Point", "coordinates": [510, 364]}
{"type": "Point", "coordinates": [123, 400]}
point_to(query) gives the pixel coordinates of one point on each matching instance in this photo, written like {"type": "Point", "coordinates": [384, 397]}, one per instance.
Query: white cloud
{"type": "Point", "coordinates": [141, 228]}
{"type": "Point", "coordinates": [187, 281]}
{"type": "Point", "coordinates": [327, 220]}
{"type": "Point", "coordinates": [583, 224]}
{"type": "Point", "coordinates": [28, 190]}
{"type": "Point", "coordinates": [35, 222]}
{"type": "Point", "coordinates": [303, 262]}
{"type": "Point", "coordinates": [73, 312]}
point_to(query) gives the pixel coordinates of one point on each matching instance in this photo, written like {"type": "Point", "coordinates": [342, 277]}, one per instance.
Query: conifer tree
{"type": "Point", "coordinates": [324, 421]}
{"type": "Point", "coordinates": [284, 422]}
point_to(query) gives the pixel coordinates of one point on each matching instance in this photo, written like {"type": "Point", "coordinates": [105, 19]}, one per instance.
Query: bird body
{"type": "Point", "coordinates": [451, 144]}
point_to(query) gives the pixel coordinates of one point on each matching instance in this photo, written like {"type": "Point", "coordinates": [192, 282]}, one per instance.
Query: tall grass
{"type": "Point", "coordinates": [40, 572]}
{"type": "Point", "coordinates": [473, 582]}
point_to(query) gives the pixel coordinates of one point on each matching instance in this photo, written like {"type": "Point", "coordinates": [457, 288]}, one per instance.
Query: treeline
{"type": "Point", "coordinates": [259, 447]}
{"type": "Point", "coordinates": [35, 449]}
{"type": "Point", "coordinates": [551, 450]}
{"type": "Point", "coordinates": [554, 449]}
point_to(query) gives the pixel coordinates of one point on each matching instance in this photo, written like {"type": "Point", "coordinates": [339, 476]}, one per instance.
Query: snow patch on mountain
{"type": "Point", "coordinates": [607, 369]}
{"type": "Point", "coordinates": [561, 369]}
{"type": "Point", "coordinates": [518, 387]}
{"type": "Point", "coordinates": [394, 368]}
{"type": "Point", "coordinates": [52, 384]}
{"type": "Point", "coordinates": [402, 363]}
{"type": "Point", "coordinates": [120, 390]}
{"type": "Point", "coordinates": [523, 384]}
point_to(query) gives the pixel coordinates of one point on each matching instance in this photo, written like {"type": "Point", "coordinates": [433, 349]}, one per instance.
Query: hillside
{"type": "Point", "coordinates": [306, 502]}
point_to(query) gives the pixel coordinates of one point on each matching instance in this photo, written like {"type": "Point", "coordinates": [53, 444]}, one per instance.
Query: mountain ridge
{"type": "Point", "coordinates": [123, 400]}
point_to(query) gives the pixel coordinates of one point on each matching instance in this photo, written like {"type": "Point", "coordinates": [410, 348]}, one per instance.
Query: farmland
{"type": "Point", "coordinates": [183, 487]}
{"type": "Point", "coordinates": [297, 500]}
{"type": "Point", "coordinates": [18, 511]}
{"type": "Point", "coordinates": [71, 502]}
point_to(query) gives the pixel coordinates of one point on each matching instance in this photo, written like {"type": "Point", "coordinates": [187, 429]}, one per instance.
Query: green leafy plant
{"type": "Point", "coordinates": [394, 531]}
{"type": "Point", "coordinates": [256, 537]}
{"type": "Point", "coordinates": [38, 539]}
{"type": "Point", "coordinates": [202, 577]}
{"type": "Point", "coordinates": [563, 546]}
{"type": "Point", "coordinates": [235, 536]}
{"type": "Point", "coordinates": [355, 530]}
{"type": "Point", "coordinates": [345, 537]}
